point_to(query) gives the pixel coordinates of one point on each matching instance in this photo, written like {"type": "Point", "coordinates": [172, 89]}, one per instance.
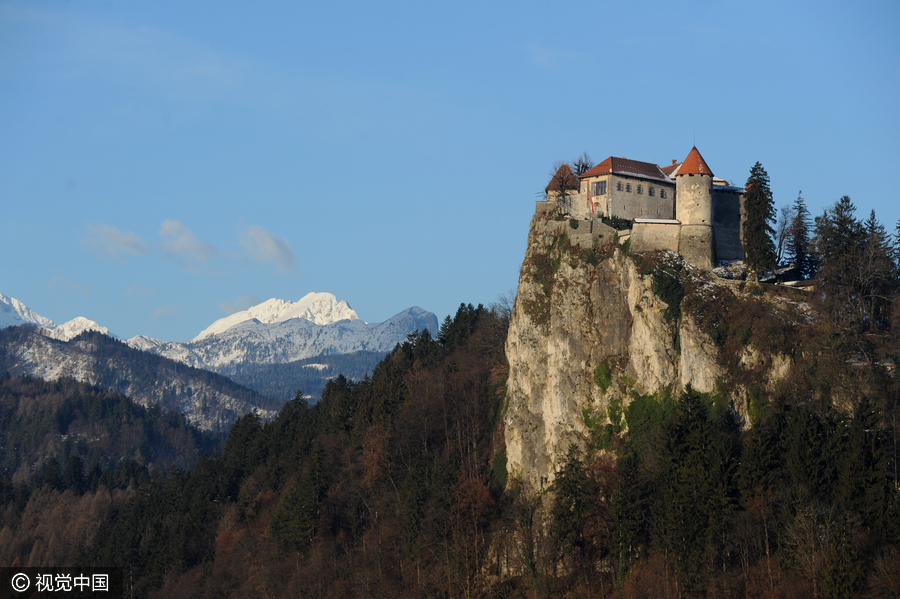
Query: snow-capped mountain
{"type": "Point", "coordinates": [78, 325]}
{"type": "Point", "coordinates": [319, 308]}
{"type": "Point", "coordinates": [14, 313]}
{"type": "Point", "coordinates": [286, 340]}
{"type": "Point", "coordinates": [271, 333]}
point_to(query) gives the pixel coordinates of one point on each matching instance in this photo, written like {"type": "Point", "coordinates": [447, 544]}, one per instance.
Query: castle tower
{"type": "Point", "coordinates": [693, 207]}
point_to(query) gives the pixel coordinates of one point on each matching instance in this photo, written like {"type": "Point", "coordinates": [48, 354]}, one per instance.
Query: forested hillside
{"type": "Point", "coordinates": [281, 381]}
{"type": "Point", "coordinates": [210, 401]}
{"type": "Point", "coordinates": [68, 452]}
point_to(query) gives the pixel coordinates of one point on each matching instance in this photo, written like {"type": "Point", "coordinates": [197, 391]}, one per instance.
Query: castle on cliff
{"type": "Point", "coordinates": [681, 207]}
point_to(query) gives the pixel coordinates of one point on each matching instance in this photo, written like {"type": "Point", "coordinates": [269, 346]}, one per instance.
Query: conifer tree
{"type": "Point", "coordinates": [694, 486]}
{"type": "Point", "coordinates": [798, 239]}
{"type": "Point", "coordinates": [842, 563]}
{"type": "Point", "coordinates": [838, 238]}
{"type": "Point", "coordinates": [877, 273]}
{"type": "Point", "coordinates": [759, 207]}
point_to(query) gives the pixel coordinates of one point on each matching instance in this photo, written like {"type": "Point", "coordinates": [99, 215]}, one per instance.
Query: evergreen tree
{"type": "Point", "coordinates": [759, 207]}
{"type": "Point", "coordinates": [877, 273]}
{"type": "Point", "coordinates": [842, 563]}
{"type": "Point", "coordinates": [571, 501]}
{"type": "Point", "coordinates": [867, 476]}
{"type": "Point", "coordinates": [293, 525]}
{"type": "Point", "coordinates": [798, 239]}
{"type": "Point", "coordinates": [630, 504]}
{"type": "Point", "coordinates": [694, 487]}
{"type": "Point", "coordinates": [837, 241]}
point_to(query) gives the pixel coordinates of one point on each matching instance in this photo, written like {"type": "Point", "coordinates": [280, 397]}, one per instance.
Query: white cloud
{"type": "Point", "coordinates": [164, 311]}
{"type": "Point", "coordinates": [180, 243]}
{"type": "Point", "coordinates": [57, 282]}
{"type": "Point", "coordinates": [265, 247]}
{"type": "Point", "coordinates": [240, 304]}
{"type": "Point", "coordinates": [112, 243]}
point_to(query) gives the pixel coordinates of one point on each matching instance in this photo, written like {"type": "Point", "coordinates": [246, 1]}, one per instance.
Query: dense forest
{"type": "Point", "coordinates": [281, 381]}
{"type": "Point", "coordinates": [67, 452]}
{"type": "Point", "coordinates": [396, 485]}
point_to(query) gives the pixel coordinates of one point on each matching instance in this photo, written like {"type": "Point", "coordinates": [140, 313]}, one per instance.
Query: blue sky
{"type": "Point", "coordinates": [163, 163]}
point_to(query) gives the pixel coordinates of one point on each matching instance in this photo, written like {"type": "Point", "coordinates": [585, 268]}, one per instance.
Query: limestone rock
{"type": "Point", "coordinates": [575, 310]}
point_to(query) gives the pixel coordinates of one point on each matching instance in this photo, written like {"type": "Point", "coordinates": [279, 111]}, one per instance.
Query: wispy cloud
{"type": "Point", "coordinates": [112, 243]}
{"type": "Point", "coordinates": [151, 60]}
{"type": "Point", "coordinates": [164, 311]}
{"type": "Point", "coordinates": [62, 282]}
{"type": "Point", "coordinates": [180, 243]}
{"type": "Point", "coordinates": [135, 291]}
{"type": "Point", "coordinates": [240, 304]}
{"type": "Point", "coordinates": [262, 246]}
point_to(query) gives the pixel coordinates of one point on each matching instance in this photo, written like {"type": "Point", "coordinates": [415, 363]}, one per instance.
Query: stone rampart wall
{"type": "Point", "coordinates": [648, 237]}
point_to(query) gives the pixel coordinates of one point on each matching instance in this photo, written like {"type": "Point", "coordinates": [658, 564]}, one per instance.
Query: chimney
{"type": "Point", "coordinates": [673, 162]}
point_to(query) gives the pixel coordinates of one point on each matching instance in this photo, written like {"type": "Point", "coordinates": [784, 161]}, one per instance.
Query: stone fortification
{"type": "Point", "coordinates": [694, 210]}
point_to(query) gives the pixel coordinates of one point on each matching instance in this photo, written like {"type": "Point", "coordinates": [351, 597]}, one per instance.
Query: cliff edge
{"type": "Point", "coordinates": [592, 325]}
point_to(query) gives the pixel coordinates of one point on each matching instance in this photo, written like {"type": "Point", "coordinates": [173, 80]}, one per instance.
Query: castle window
{"type": "Point", "coordinates": [650, 191]}
{"type": "Point", "coordinates": [628, 187]}
{"type": "Point", "coordinates": [619, 186]}
{"type": "Point", "coordinates": [600, 188]}
{"type": "Point", "coordinates": [640, 189]}
{"type": "Point", "coordinates": [662, 193]}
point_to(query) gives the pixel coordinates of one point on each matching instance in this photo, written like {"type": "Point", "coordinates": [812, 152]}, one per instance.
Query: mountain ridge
{"type": "Point", "coordinates": [208, 400]}
{"type": "Point", "coordinates": [319, 307]}
{"type": "Point", "coordinates": [252, 341]}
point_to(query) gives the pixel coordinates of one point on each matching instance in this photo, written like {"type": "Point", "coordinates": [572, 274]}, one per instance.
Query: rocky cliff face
{"type": "Point", "coordinates": [589, 328]}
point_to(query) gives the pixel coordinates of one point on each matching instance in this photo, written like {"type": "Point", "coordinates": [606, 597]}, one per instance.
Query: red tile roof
{"type": "Point", "coordinates": [624, 166]}
{"type": "Point", "coordinates": [565, 174]}
{"type": "Point", "coordinates": [694, 164]}
{"type": "Point", "coordinates": [672, 169]}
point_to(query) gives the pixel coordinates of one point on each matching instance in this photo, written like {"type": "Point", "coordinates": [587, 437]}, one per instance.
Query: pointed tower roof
{"type": "Point", "coordinates": [694, 164]}
{"type": "Point", "coordinates": [565, 176]}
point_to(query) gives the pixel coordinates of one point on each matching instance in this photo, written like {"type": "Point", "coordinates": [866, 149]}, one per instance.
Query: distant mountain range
{"type": "Point", "coordinates": [273, 348]}
{"type": "Point", "coordinates": [263, 347]}
{"type": "Point", "coordinates": [14, 313]}
{"type": "Point", "coordinates": [280, 342]}
{"type": "Point", "coordinates": [209, 401]}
